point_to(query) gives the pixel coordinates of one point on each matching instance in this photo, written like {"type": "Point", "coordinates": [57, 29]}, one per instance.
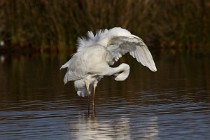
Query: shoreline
{"type": "Point", "coordinates": [27, 50]}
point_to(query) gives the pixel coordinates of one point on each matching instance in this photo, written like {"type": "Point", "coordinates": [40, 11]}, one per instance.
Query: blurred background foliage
{"type": "Point", "coordinates": [55, 24]}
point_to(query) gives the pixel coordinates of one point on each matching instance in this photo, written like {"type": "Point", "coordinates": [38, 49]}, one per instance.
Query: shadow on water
{"type": "Point", "coordinates": [172, 103]}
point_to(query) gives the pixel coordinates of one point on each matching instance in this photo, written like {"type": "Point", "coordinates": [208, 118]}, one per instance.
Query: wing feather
{"type": "Point", "coordinates": [121, 45]}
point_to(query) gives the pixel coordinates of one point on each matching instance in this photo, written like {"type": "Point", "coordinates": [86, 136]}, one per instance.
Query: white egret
{"type": "Point", "coordinates": [96, 54]}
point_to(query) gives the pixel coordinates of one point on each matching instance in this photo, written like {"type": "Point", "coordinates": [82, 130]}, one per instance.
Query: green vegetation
{"type": "Point", "coordinates": [56, 24]}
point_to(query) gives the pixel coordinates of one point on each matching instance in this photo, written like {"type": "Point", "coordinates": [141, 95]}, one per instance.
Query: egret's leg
{"type": "Point", "coordinates": [87, 87]}
{"type": "Point", "coordinates": [89, 104]}
{"type": "Point", "coordinates": [94, 92]}
{"type": "Point", "coordinates": [94, 113]}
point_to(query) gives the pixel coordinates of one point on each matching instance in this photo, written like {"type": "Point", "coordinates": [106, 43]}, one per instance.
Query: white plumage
{"type": "Point", "coordinates": [96, 54]}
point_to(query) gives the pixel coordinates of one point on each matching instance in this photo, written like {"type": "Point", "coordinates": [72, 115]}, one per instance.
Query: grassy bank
{"type": "Point", "coordinates": [56, 24]}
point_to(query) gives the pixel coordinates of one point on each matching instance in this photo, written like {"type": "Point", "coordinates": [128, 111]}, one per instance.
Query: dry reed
{"type": "Point", "coordinates": [55, 24]}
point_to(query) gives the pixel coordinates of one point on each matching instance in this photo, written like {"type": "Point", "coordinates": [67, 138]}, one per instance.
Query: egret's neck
{"type": "Point", "coordinates": [122, 73]}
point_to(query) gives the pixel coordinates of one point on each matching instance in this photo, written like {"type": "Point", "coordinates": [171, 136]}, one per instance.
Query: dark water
{"type": "Point", "coordinates": [173, 103]}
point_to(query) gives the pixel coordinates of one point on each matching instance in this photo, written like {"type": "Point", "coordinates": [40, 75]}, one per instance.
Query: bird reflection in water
{"type": "Point", "coordinates": [121, 128]}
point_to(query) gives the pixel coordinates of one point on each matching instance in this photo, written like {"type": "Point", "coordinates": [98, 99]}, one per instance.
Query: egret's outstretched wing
{"type": "Point", "coordinates": [121, 45]}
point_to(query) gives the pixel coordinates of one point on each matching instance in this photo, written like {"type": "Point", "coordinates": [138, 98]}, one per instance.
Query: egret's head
{"type": "Point", "coordinates": [124, 74]}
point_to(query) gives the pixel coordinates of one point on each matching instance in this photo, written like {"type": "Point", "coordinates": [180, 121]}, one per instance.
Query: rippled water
{"type": "Point", "coordinates": [173, 103]}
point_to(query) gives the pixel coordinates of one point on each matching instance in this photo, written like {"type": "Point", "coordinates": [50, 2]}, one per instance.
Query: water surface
{"type": "Point", "coordinates": [173, 103]}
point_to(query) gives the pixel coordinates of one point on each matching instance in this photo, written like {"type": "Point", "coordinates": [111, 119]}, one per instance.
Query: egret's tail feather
{"type": "Point", "coordinates": [66, 65]}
